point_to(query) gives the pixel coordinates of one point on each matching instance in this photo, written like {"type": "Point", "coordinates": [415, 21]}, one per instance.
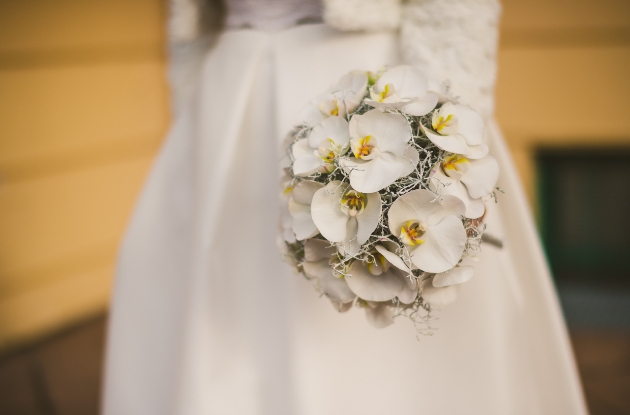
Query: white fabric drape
{"type": "Point", "coordinates": [206, 320]}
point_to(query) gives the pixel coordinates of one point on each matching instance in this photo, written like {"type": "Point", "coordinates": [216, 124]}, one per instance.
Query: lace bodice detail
{"type": "Point", "coordinates": [271, 14]}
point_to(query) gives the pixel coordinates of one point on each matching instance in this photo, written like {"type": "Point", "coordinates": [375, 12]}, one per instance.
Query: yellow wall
{"type": "Point", "coordinates": [83, 108]}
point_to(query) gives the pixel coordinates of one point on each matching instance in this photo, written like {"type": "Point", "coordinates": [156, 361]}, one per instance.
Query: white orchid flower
{"type": "Point", "coordinates": [403, 87]}
{"type": "Point", "coordinates": [300, 209]}
{"type": "Point", "coordinates": [328, 140]}
{"type": "Point", "coordinates": [376, 280]}
{"type": "Point", "coordinates": [379, 315]}
{"type": "Point", "coordinates": [458, 129]}
{"type": "Point", "coordinates": [343, 214]}
{"type": "Point", "coordinates": [433, 232]}
{"type": "Point", "coordinates": [380, 143]}
{"type": "Point", "coordinates": [442, 90]}
{"type": "Point", "coordinates": [340, 100]}
{"type": "Point", "coordinates": [410, 289]}
{"type": "Point", "coordinates": [345, 96]}
{"type": "Point", "coordinates": [442, 289]}
{"type": "Point", "coordinates": [354, 86]}
{"type": "Point", "coordinates": [438, 296]}
{"type": "Point", "coordinates": [470, 180]}
{"type": "Point", "coordinates": [317, 265]}
{"type": "Point", "coordinates": [337, 104]}
{"type": "Point", "coordinates": [457, 275]}
{"type": "Point", "coordinates": [311, 115]}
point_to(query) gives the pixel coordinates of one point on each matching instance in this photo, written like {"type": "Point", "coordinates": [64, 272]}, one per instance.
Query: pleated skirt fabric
{"type": "Point", "coordinates": [206, 319]}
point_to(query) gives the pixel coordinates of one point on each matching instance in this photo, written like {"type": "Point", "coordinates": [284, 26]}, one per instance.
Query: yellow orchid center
{"type": "Point", "coordinates": [326, 154]}
{"type": "Point", "coordinates": [455, 166]}
{"type": "Point", "coordinates": [335, 110]}
{"type": "Point", "coordinates": [331, 108]}
{"type": "Point", "coordinates": [287, 190]}
{"type": "Point", "coordinates": [353, 203]}
{"type": "Point", "coordinates": [411, 232]}
{"type": "Point", "coordinates": [364, 147]}
{"type": "Point", "coordinates": [378, 265]}
{"type": "Point", "coordinates": [372, 77]}
{"type": "Point", "coordinates": [440, 123]}
{"type": "Point", "coordinates": [386, 92]}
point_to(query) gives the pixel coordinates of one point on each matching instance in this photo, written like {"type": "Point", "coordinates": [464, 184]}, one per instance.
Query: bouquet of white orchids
{"type": "Point", "coordinates": [384, 194]}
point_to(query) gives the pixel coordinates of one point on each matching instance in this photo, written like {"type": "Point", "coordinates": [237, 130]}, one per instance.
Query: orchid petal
{"type": "Point", "coordinates": [457, 275]}
{"type": "Point", "coordinates": [317, 269]}
{"type": "Point", "coordinates": [303, 224]}
{"type": "Point", "coordinates": [346, 102]}
{"type": "Point", "coordinates": [475, 209]}
{"type": "Point", "coordinates": [369, 218]}
{"type": "Point", "coordinates": [335, 288]}
{"type": "Point", "coordinates": [333, 128]}
{"type": "Point", "coordinates": [421, 106]}
{"type": "Point", "coordinates": [477, 152]}
{"type": "Point", "coordinates": [411, 158]}
{"type": "Point", "coordinates": [451, 206]}
{"type": "Point", "coordinates": [409, 290]}
{"type": "Point", "coordinates": [352, 126]}
{"type": "Point", "coordinates": [445, 185]}
{"type": "Point", "coordinates": [481, 177]}
{"type": "Point", "coordinates": [408, 81]}
{"type": "Point", "coordinates": [355, 81]}
{"type": "Point", "coordinates": [327, 214]}
{"type": "Point", "coordinates": [451, 143]}
{"type": "Point", "coordinates": [310, 115]}
{"type": "Point", "coordinates": [339, 306]}
{"type": "Point", "coordinates": [469, 125]}
{"type": "Point", "coordinates": [317, 249]}
{"type": "Point", "coordinates": [417, 204]}
{"type": "Point", "coordinates": [391, 131]}
{"type": "Point", "coordinates": [301, 148]}
{"type": "Point", "coordinates": [392, 258]}
{"type": "Point", "coordinates": [306, 163]}
{"type": "Point", "coordinates": [438, 296]}
{"type": "Point", "coordinates": [370, 287]}
{"type": "Point", "coordinates": [352, 245]}
{"type": "Point", "coordinates": [380, 316]}
{"type": "Point", "coordinates": [441, 89]}
{"type": "Point", "coordinates": [303, 191]}
{"type": "Point", "coordinates": [386, 104]}
{"type": "Point", "coordinates": [376, 174]}
{"type": "Point", "coordinates": [443, 246]}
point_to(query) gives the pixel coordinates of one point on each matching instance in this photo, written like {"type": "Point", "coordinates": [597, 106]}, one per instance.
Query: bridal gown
{"type": "Point", "coordinates": [205, 319]}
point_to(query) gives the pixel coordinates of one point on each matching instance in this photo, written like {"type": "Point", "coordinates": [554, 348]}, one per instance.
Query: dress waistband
{"type": "Point", "coordinates": [271, 15]}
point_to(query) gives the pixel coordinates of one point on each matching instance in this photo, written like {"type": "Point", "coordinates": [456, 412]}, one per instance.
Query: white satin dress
{"type": "Point", "coordinates": [205, 318]}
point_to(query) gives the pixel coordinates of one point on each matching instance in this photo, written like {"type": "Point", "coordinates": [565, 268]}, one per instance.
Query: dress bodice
{"type": "Point", "coordinates": [271, 14]}
{"type": "Point", "coordinates": [450, 40]}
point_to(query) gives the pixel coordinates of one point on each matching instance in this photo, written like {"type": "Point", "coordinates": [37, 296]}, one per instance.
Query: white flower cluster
{"type": "Point", "coordinates": [384, 193]}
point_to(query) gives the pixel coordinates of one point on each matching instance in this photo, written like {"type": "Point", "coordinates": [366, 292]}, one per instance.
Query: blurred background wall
{"type": "Point", "coordinates": [84, 107]}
